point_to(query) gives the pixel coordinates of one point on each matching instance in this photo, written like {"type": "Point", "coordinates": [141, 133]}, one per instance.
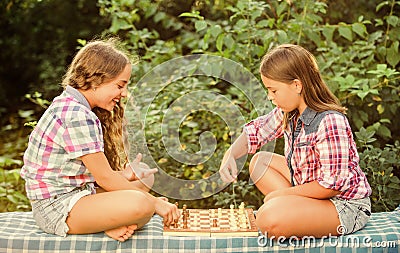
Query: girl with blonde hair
{"type": "Point", "coordinates": [76, 170]}
{"type": "Point", "coordinates": [317, 188]}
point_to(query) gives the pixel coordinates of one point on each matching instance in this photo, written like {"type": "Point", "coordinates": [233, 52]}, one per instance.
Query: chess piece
{"type": "Point", "coordinates": [215, 223]}
{"type": "Point", "coordinates": [185, 225]}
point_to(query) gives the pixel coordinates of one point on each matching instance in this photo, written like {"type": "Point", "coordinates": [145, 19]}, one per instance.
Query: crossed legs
{"type": "Point", "coordinates": [290, 215]}
{"type": "Point", "coordinates": [117, 213]}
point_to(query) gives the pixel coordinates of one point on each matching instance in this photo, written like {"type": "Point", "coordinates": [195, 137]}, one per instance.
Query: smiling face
{"type": "Point", "coordinates": [287, 97]}
{"type": "Point", "coordinates": [109, 93]}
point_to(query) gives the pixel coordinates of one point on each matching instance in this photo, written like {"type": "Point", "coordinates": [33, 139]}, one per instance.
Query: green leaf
{"type": "Point", "coordinates": [215, 30]}
{"type": "Point", "coordinates": [200, 25]}
{"type": "Point", "coordinates": [220, 42]}
{"type": "Point", "coordinates": [119, 24]}
{"type": "Point", "coordinates": [328, 31]}
{"type": "Point", "coordinates": [384, 131]}
{"type": "Point", "coordinates": [393, 57]}
{"type": "Point", "coordinates": [263, 23]}
{"type": "Point", "coordinates": [203, 186]}
{"type": "Point", "coordinates": [346, 32]}
{"type": "Point", "coordinates": [393, 20]}
{"type": "Point", "coordinates": [282, 36]}
{"type": "Point", "coordinates": [229, 42]}
{"type": "Point", "coordinates": [379, 6]}
{"type": "Point", "coordinates": [360, 29]}
{"type": "Point", "coordinates": [394, 186]}
{"type": "Point", "coordinates": [159, 16]}
{"type": "Point", "coordinates": [241, 24]}
{"type": "Point", "coordinates": [195, 14]}
{"type": "Point", "coordinates": [281, 7]}
{"type": "Point", "coordinates": [12, 199]}
{"type": "Point", "coordinates": [362, 94]}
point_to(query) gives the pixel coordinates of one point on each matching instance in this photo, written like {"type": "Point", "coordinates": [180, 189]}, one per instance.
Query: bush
{"type": "Point", "coordinates": [358, 58]}
{"type": "Point", "coordinates": [12, 190]}
{"type": "Point", "coordinates": [383, 171]}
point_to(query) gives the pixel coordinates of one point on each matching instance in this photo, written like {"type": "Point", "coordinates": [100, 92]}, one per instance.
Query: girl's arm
{"type": "Point", "coordinates": [310, 190]}
{"type": "Point", "coordinates": [228, 169]}
{"type": "Point", "coordinates": [110, 180]}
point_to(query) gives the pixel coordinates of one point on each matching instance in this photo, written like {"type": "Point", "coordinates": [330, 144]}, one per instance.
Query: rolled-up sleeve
{"type": "Point", "coordinates": [334, 152]}
{"type": "Point", "coordinates": [264, 129]}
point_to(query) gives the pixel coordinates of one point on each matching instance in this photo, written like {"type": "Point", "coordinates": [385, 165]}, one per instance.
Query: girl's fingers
{"type": "Point", "coordinates": [226, 175]}
{"type": "Point", "coordinates": [147, 173]}
{"type": "Point", "coordinates": [138, 158]}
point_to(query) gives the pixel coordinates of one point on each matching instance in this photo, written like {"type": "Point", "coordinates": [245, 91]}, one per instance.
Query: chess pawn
{"type": "Point", "coordinates": [215, 223]}
{"type": "Point", "coordinates": [184, 221]}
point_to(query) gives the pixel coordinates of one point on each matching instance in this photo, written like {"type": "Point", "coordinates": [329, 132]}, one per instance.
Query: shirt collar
{"type": "Point", "coordinates": [307, 116]}
{"type": "Point", "coordinates": [78, 96]}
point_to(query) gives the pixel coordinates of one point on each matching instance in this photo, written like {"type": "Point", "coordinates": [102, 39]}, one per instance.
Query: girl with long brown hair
{"type": "Point", "coordinates": [317, 188]}
{"type": "Point", "coordinates": [76, 170]}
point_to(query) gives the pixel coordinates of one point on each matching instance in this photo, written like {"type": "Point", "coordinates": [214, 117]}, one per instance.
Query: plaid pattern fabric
{"type": "Point", "coordinates": [19, 233]}
{"type": "Point", "coordinates": [319, 147]}
{"type": "Point", "coordinates": [67, 130]}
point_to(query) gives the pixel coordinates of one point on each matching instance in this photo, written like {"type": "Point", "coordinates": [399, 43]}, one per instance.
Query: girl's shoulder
{"type": "Point", "coordinates": [333, 118]}
{"type": "Point", "coordinates": [67, 108]}
{"type": "Point", "coordinates": [316, 121]}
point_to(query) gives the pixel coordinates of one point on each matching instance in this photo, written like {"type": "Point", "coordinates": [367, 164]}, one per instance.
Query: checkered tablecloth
{"type": "Point", "coordinates": [18, 233]}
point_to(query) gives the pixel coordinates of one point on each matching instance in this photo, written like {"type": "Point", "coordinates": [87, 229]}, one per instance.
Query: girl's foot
{"type": "Point", "coordinates": [122, 233]}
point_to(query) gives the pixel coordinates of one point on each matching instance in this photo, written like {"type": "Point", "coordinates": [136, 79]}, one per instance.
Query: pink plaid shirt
{"type": "Point", "coordinates": [320, 147]}
{"type": "Point", "coordinates": [67, 130]}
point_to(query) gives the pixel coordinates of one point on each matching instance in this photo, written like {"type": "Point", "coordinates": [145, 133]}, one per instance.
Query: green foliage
{"type": "Point", "coordinates": [38, 40]}
{"type": "Point", "coordinates": [381, 167]}
{"type": "Point", "coordinates": [12, 191]}
{"type": "Point", "coordinates": [357, 49]}
{"type": "Point", "coordinates": [358, 57]}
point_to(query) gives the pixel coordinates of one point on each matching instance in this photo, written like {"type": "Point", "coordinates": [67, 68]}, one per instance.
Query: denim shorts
{"type": "Point", "coordinates": [353, 214]}
{"type": "Point", "coordinates": [51, 214]}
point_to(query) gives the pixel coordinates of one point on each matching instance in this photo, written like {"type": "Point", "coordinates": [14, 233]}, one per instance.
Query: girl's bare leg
{"type": "Point", "coordinates": [118, 213]}
{"type": "Point", "coordinates": [289, 215]}
{"type": "Point", "coordinates": [269, 172]}
{"type": "Point", "coordinates": [299, 216]}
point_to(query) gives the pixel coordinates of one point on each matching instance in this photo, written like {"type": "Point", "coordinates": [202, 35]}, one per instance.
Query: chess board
{"type": "Point", "coordinates": [215, 223]}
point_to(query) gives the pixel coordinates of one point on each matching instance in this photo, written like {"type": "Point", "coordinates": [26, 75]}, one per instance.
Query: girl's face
{"type": "Point", "coordinates": [285, 96]}
{"type": "Point", "coordinates": [108, 94]}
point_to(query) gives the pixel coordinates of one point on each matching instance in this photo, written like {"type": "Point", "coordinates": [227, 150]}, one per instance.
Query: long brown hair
{"type": "Point", "coordinates": [288, 62]}
{"type": "Point", "coordinates": [97, 62]}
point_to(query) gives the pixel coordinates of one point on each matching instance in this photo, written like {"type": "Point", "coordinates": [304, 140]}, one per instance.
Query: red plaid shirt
{"type": "Point", "coordinates": [320, 147]}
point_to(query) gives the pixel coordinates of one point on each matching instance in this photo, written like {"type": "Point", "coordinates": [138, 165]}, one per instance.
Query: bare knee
{"type": "Point", "coordinates": [270, 221]}
{"type": "Point", "coordinates": [260, 160]}
{"type": "Point", "coordinates": [139, 204]}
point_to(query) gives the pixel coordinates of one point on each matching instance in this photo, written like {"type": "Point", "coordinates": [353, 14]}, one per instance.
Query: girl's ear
{"type": "Point", "coordinates": [298, 86]}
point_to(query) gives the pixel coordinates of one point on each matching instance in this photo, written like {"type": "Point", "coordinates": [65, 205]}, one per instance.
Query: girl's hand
{"type": "Point", "coordinates": [168, 211]}
{"type": "Point", "coordinates": [228, 170]}
{"type": "Point", "coordinates": [137, 170]}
